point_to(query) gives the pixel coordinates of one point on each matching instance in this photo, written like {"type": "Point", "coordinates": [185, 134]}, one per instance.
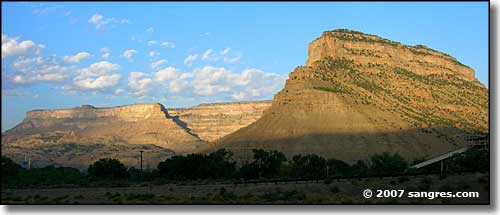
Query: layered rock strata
{"type": "Point", "coordinates": [361, 94]}
{"type": "Point", "coordinates": [213, 121]}
{"type": "Point", "coordinates": [128, 126]}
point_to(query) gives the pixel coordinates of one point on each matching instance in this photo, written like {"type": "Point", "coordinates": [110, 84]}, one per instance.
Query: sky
{"type": "Point", "coordinates": [63, 55]}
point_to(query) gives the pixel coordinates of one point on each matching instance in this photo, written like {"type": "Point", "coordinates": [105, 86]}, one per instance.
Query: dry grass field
{"type": "Point", "coordinates": [345, 191]}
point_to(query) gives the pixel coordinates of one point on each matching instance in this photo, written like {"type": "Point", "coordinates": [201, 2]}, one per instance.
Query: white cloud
{"type": "Point", "coordinates": [96, 19]}
{"type": "Point", "coordinates": [76, 58]}
{"type": "Point", "coordinates": [105, 56]}
{"type": "Point", "coordinates": [218, 81]}
{"type": "Point", "coordinates": [40, 10]}
{"type": "Point", "coordinates": [207, 83]}
{"type": "Point", "coordinates": [156, 64]}
{"type": "Point", "coordinates": [152, 42]}
{"type": "Point", "coordinates": [179, 84]}
{"type": "Point", "coordinates": [255, 83]}
{"type": "Point", "coordinates": [150, 30]}
{"type": "Point", "coordinates": [209, 54]}
{"type": "Point", "coordinates": [190, 59]}
{"type": "Point", "coordinates": [168, 73]}
{"type": "Point", "coordinates": [232, 60]}
{"type": "Point", "coordinates": [119, 91]}
{"type": "Point", "coordinates": [100, 21]}
{"type": "Point", "coordinates": [32, 70]}
{"type": "Point", "coordinates": [212, 56]}
{"type": "Point", "coordinates": [98, 69]}
{"type": "Point", "coordinates": [153, 53]}
{"type": "Point", "coordinates": [161, 43]}
{"type": "Point", "coordinates": [10, 47]}
{"type": "Point", "coordinates": [97, 76]}
{"type": "Point", "coordinates": [106, 52]}
{"type": "Point", "coordinates": [101, 82]}
{"type": "Point", "coordinates": [167, 44]}
{"type": "Point", "coordinates": [140, 84]}
{"type": "Point", "coordinates": [128, 54]}
{"type": "Point", "coordinates": [225, 51]}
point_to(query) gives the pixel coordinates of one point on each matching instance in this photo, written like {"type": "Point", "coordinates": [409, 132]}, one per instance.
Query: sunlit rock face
{"type": "Point", "coordinates": [362, 94]}
{"type": "Point", "coordinates": [213, 121]}
{"type": "Point", "coordinates": [365, 48]}
{"type": "Point", "coordinates": [81, 135]}
{"type": "Point", "coordinates": [141, 126]}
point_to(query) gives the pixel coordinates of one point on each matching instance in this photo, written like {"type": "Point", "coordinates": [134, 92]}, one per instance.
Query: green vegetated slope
{"type": "Point", "coordinates": [361, 94]}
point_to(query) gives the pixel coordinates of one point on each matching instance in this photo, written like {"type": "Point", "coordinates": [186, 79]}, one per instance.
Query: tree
{"type": "Point", "coordinates": [221, 164]}
{"type": "Point", "coordinates": [308, 167]}
{"type": "Point", "coordinates": [387, 164]}
{"type": "Point", "coordinates": [360, 168]}
{"type": "Point", "coordinates": [265, 164]}
{"type": "Point", "coordinates": [268, 163]}
{"type": "Point", "coordinates": [50, 175]}
{"type": "Point", "coordinates": [474, 159]}
{"type": "Point", "coordinates": [338, 167]}
{"type": "Point", "coordinates": [10, 170]}
{"type": "Point", "coordinates": [215, 165]}
{"type": "Point", "coordinates": [170, 167]}
{"type": "Point", "coordinates": [108, 168]}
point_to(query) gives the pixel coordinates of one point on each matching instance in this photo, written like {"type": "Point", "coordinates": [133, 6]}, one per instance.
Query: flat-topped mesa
{"type": "Point", "coordinates": [366, 48]}
{"type": "Point", "coordinates": [129, 113]}
{"type": "Point", "coordinates": [130, 124]}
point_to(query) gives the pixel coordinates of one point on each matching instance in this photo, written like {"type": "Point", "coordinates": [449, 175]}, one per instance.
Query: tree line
{"type": "Point", "coordinates": [220, 165]}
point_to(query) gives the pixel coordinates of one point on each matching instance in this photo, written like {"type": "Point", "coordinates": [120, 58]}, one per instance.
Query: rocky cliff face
{"type": "Point", "coordinates": [365, 48]}
{"type": "Point", "coordinates": [210, 122]}
{"type": "Point", "coordinates": [361, 94]}
{"type": "Point", "coordinates": [81, 135]}
{"type": "Point", "coordinates": [140, 125]}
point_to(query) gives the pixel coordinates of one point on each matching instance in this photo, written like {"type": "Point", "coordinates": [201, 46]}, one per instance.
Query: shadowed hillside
{"type": "Point", "coordinates": [360, 94]}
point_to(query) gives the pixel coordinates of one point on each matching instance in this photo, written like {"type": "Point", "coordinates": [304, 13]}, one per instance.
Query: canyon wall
{"type": "Point", "coordinates": [213, 121]}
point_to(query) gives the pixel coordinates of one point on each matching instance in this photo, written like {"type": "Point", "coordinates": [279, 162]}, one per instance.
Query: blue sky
{"type": "Point", "coordinates": [61, 55]}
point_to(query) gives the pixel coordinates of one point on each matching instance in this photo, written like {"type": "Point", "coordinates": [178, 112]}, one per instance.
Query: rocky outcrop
{"type": "Point", "coordinates": [365, 48]}
{"type": "Point", "coordinates": [131, 125]}
{"type": "Point", "coordinates": [212, 121]}
{"type": "Point", "coordinates": [361, 94]}
{"type": "Point", "coordinates": [81, 135]}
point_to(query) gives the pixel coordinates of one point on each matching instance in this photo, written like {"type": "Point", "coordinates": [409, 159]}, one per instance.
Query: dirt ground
{"type": "Point", "coordinates": [346, 191]}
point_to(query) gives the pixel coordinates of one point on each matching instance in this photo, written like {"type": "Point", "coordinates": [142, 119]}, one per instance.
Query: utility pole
{"type": "Point", "coordinates": [441, 167]}
{"type": "Point", "coordinates": [141, 160]}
